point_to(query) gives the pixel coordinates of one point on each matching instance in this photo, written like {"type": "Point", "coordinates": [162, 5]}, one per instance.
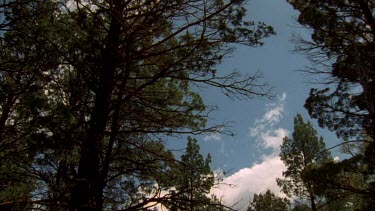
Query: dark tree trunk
{"type": "Point", "coordinates": [312, 201]}
{"type": "Point", "coordinates": [88, 193]}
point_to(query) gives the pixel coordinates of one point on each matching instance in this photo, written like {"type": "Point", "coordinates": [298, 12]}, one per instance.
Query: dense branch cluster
{"type": "Point", "coordinates": [342, 49]}
{"type": "Point", "coordinates": [90, 90]}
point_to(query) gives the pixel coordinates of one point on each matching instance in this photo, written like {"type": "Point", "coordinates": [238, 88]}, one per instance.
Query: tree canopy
{"type": "Point", "coordinates": [299, 153]}
{"type": "Point", "coordinates": [193, 180]}
{"type": "Point", "coordinates": [268, 202]}
{"type": "Point", "coordinates": [342, 49]}
{"type": "Point", "coordinates": [90, 90]}
{"type": "Point", "coordinates": [341, 46]}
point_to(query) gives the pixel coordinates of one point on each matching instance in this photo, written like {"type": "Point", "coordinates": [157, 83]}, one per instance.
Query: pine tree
{"type": "Point", "coordinates": [268, 202]}
{"type": "Point", "coordinates": [299, 153]}
{"type": "Point", "coordinates": [90, 90]}
{"type": "Point", "coordinates": [342, 50]}
{"type": "Point", "coordinates": [193, 181]}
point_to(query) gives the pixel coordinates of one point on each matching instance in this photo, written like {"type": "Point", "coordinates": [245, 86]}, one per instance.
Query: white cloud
{"type": "Point", "coordinates": [212, 137]}
{"type": "Point", "coordinates": [239, 188]}
{"type": "Point", "coordinates": [273, 138]}
{"type": "Point", "coordinates": [262, 175]}
{"type": "Point", "coordinates": [264, 129]}
{"type": "Point", "coordinates": [273, 115]}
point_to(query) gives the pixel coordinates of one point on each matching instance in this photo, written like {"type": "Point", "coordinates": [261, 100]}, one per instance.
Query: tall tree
{"type": "Point", "coordinates": [91, 88]}
{"type": "Point", "coordinates": [303, 150]}
{"type": "Point", "coordinates": [268, 202]}
{"type": "Point", "coordinates": [342, 48]}
{"type": "Point", "coordinates": [20, 82]}
{"type": "Point", "coordinates": [342, 40]}
{"type": "Point", "coordinates": [193, 180]}
{"type": "Point", "coordinates": [342, 183]}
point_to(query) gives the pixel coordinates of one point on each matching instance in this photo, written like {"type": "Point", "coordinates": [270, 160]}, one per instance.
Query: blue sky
{"type": "Point", "coordinates": [251, 156]}
{"type": "Point", "coordinates": [279, 67]}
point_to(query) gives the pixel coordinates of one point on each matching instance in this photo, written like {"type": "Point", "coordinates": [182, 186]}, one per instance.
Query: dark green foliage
{"type": "Point", "coordinates": [89, 91]}
{"type": "Point", "coordinates": [269, 202]}
{"type": "Point", "coordinates": [341, 44]}
{"type": "Point", "coordinates": [343, 184]}
{"type": "Point", "coordinates": [193, 180]}
{"type": "Point", "coordinates": [196, 175]}
{"type": "Point", "coordinates": [342, 48]}
{"type": "Point", "coordinates": [301, 207]}
{"type": "Point", "coordinates": [300, 153]}
{"type": "Point", "coordinates": [15, 187]}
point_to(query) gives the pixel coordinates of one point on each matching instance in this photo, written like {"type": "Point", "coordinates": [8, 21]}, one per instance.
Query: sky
{"type": "Point", "coordinates": [250, 158]}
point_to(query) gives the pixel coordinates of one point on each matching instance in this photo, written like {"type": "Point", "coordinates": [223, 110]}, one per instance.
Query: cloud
{"type": "Point", "coordinates": [264, 128]}
{"type": "Point", "coordinates": [212, 137]}
{"type": "Point", "coordinates": [239, 188]}
{"type": "Point", "coordinates": [273, 138]}
{"type": "Point", "coordinates": [273, 114]}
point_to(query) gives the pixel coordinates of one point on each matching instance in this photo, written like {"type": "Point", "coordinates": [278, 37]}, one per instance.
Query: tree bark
{"type": "Point", "coordinates": [312, 201]}
{"type": "Point", "coordinates": [88, 193]}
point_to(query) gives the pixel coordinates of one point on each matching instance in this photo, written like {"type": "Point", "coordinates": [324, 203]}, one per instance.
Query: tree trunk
{"type": "Point", "coordinates": [88, 191]}
{"type": "Point", "coordinates": [312, 201]}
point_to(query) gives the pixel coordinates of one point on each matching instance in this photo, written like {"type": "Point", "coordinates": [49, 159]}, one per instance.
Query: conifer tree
{"type": "Point", "coordinates": [90, 90]}
{"type": "Point", "coordinates": [341, 49]}
{"type": "Point", "coordinates": [268, 202]}
{"type": "Point", "coordinates": [299, 153]}
{"type": "Point", "coordinates": [193, 181]}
